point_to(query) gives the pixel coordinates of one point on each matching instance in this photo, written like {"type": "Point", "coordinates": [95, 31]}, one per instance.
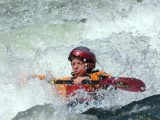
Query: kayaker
{"type": "Point", "coordinates": [83, 62]}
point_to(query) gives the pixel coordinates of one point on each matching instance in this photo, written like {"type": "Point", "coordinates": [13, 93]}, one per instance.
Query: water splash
{"type": "Point", "coordinates": [36, 37]}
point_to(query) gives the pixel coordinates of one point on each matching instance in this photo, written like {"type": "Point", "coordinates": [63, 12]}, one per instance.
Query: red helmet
{"type": "Point", "coordinates": [84, 54]}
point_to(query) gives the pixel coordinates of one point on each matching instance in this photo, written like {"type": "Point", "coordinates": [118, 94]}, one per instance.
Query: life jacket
{"type": "Point", "coordinates": [69, 90]}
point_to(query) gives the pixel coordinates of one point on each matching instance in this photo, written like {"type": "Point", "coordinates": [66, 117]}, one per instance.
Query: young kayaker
{"type": "Point", "coordinates": [83, 62]}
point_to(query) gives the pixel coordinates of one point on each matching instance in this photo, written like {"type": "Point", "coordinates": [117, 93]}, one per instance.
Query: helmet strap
{"type": "Point", "coordinates": [73, 76]}
{"type": "Point", "coordinates": [88, 70]}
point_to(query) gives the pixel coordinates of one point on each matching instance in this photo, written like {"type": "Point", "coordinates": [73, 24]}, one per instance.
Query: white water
{"type": "Point", "coordinates": [36, 37]}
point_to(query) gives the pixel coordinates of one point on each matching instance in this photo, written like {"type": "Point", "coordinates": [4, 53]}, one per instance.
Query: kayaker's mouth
{"type": "Point", "coordinates": [75, 71]}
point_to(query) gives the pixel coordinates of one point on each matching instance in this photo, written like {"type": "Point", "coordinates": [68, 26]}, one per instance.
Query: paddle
{"type": "Point", "coordinates": [124, 83]}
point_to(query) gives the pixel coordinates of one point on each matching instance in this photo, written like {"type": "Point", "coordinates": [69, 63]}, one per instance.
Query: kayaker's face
{"type": "Point", "coordinates": [78, 67]}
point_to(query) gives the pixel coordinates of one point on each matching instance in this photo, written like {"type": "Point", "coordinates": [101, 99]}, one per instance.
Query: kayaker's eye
{"type": "Point", "coordinates": [80, 63]}
{"type": "Point", "coordinates": [77, 63]}
{"type": "Point", "coordinates": [72, 64]}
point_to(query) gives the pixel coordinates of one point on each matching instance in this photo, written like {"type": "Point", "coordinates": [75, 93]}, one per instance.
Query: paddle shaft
{"type": "Point", "coordinates": [124, 83]}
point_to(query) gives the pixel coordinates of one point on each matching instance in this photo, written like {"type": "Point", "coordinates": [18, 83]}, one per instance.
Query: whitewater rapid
{"type": "Point", "coordinates": [36, 37]}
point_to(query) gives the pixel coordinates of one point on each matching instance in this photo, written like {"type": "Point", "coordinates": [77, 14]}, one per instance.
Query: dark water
{"type": "Point", "coordinates": [35, 112]}
{"type": "Point", "coordinates": [146, 109]}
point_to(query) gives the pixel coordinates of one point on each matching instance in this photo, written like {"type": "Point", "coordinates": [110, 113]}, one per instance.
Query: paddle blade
{"type": "Point", "coordinates": [129, 84]}
{"type": "Point", "coordinates": [125, 83]}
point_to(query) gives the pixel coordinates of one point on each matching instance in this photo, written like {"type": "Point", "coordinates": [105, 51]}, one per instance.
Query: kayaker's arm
{"type": "Point", "coordinates": [40, 77]}
{"type": "Point", "coordinates": [47, 77]}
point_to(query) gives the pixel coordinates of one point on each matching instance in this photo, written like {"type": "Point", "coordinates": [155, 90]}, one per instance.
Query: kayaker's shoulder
{"type": "Point", "coordinates": [99, 72]}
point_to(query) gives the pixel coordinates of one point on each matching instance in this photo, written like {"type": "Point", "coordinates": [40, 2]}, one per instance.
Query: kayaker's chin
{"type": "Point", "coordinates": [77, 74]}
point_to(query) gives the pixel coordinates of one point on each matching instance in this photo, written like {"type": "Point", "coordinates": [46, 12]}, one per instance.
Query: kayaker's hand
{"type": "Point", "coordinates": [40, 77]}
{"type": "Point", "coordinates": [78, 80]}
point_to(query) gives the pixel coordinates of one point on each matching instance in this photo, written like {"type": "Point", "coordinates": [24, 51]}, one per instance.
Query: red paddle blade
{"type": "Point", "coordinates": [125, 83]}
{"type": "Point", "coordinates": [129, 84]}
